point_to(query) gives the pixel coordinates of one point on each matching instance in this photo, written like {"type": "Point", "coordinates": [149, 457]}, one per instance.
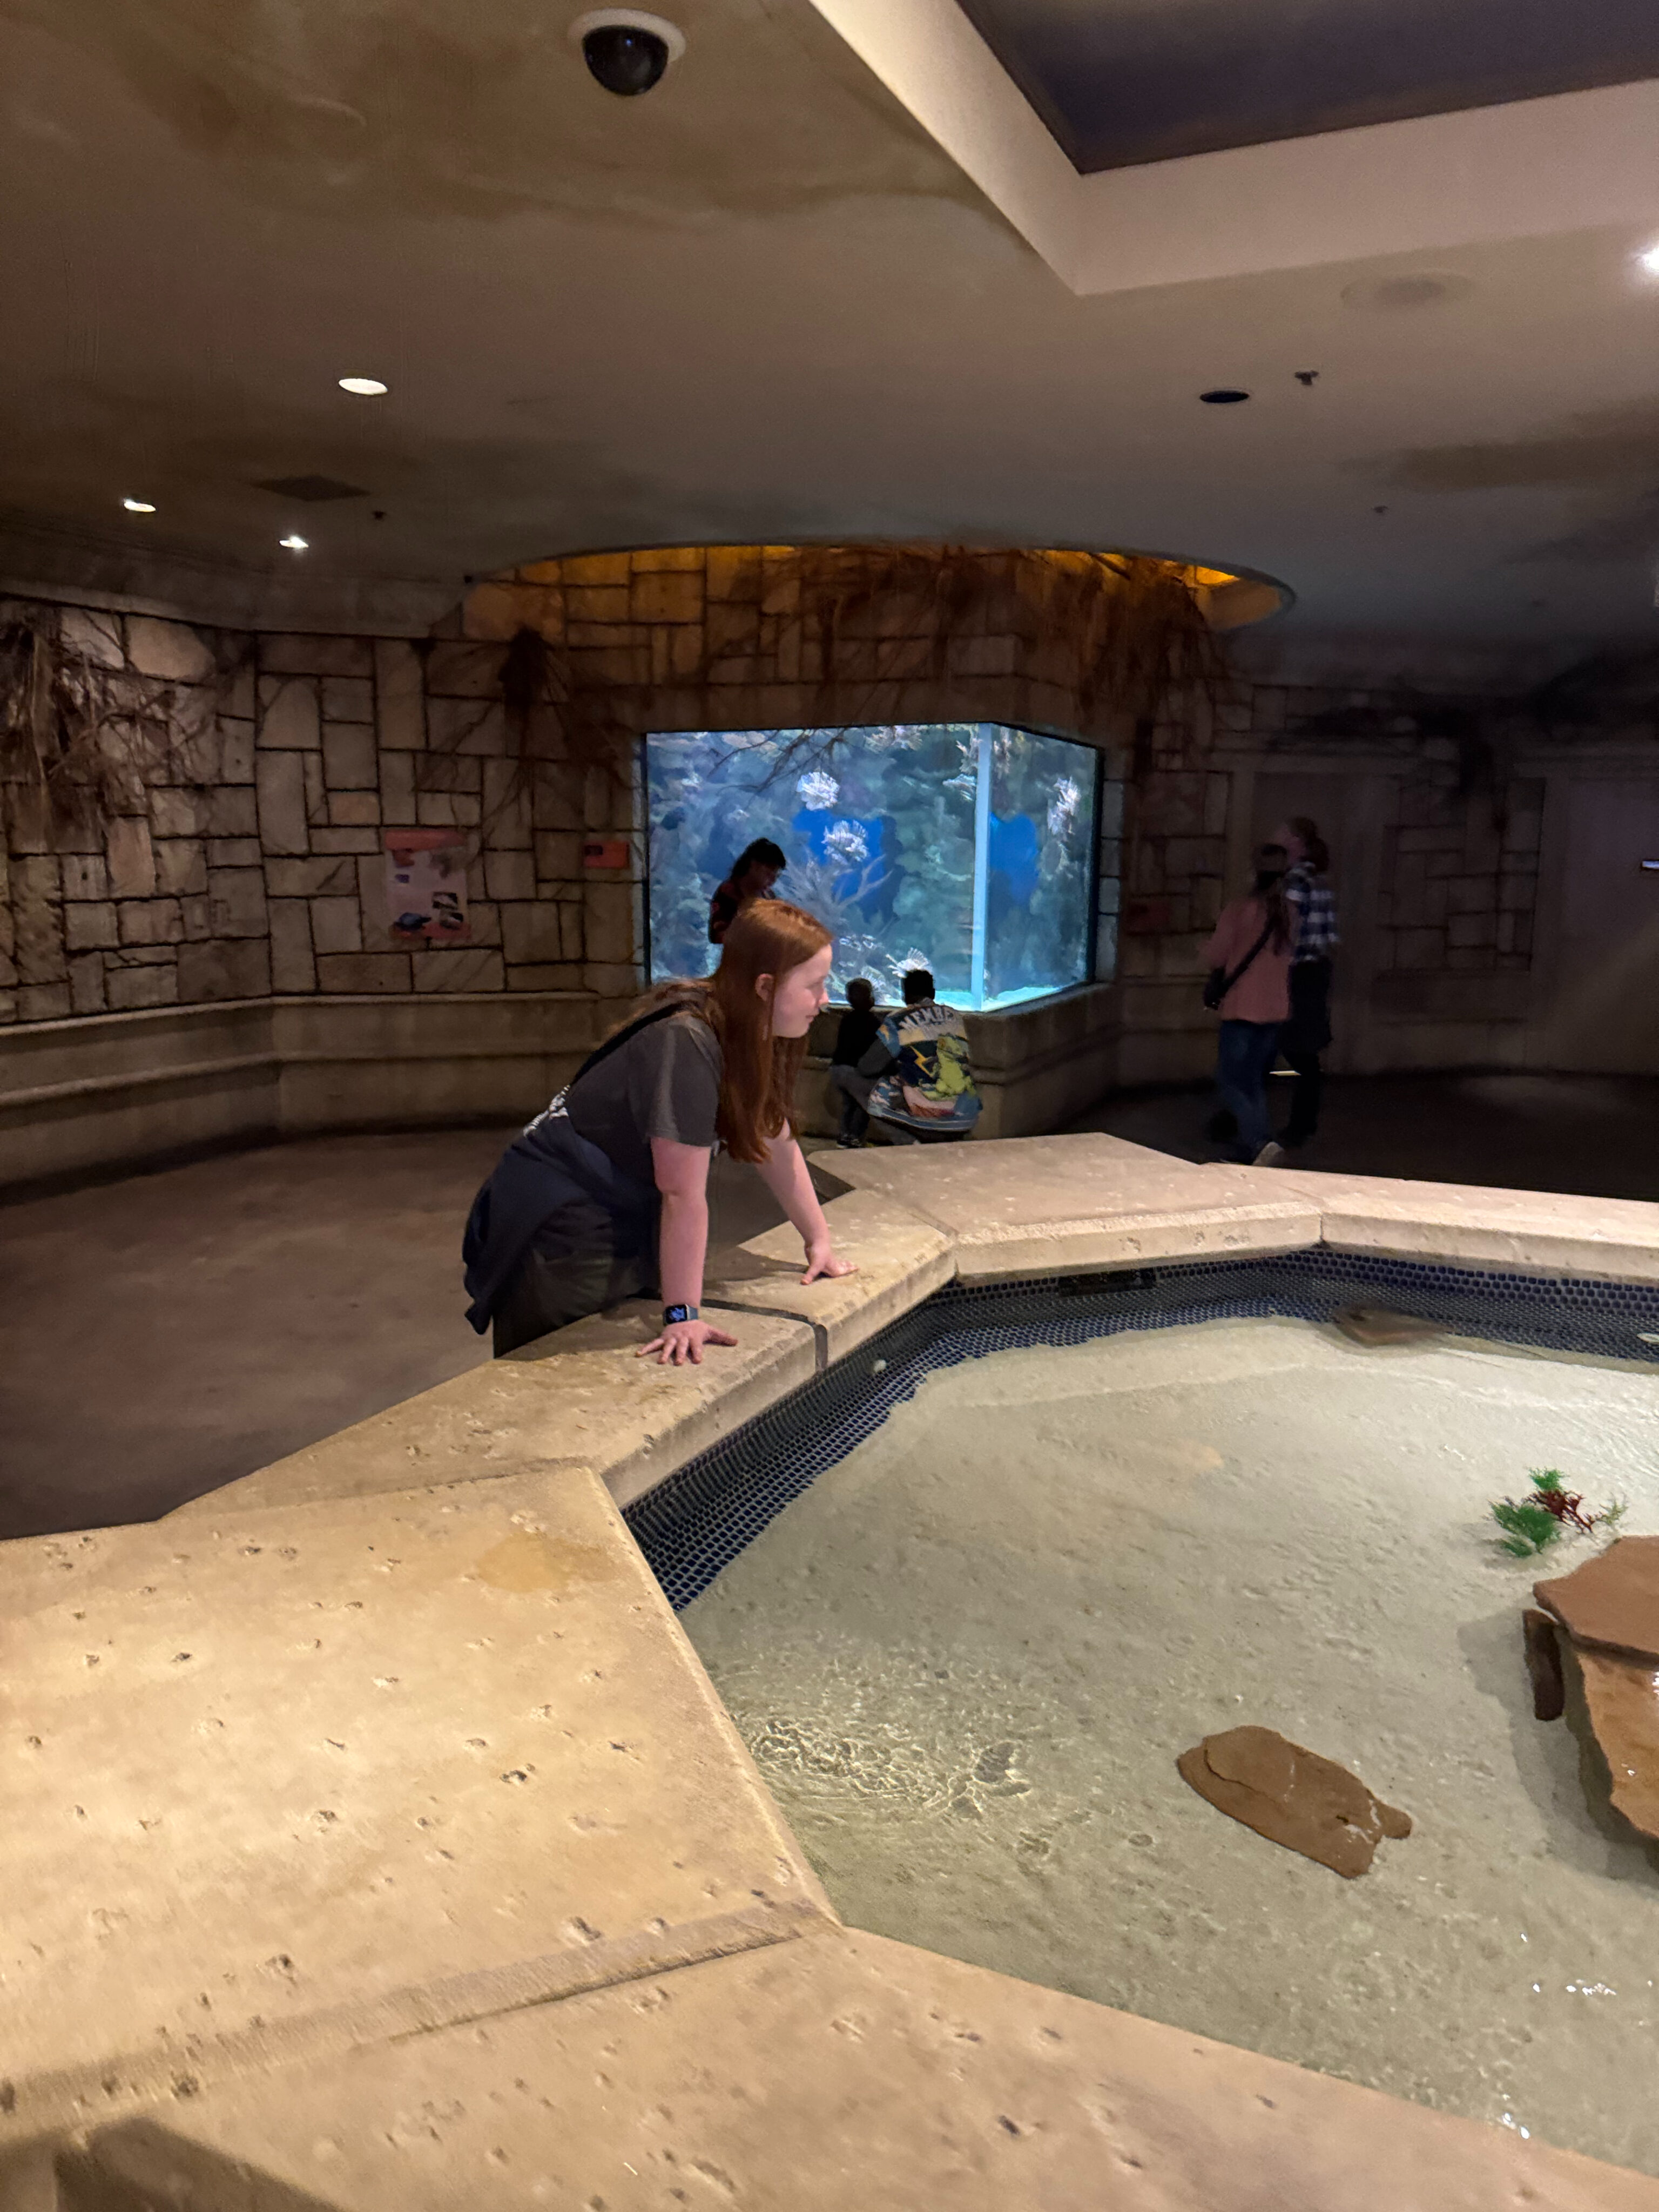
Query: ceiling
{"type": "Point", "coordinates": [762, 303]}
{"type": "Point", "coordinates": [1122, 82]}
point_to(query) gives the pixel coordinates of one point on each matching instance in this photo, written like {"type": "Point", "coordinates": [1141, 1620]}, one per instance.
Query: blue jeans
{"type": "Point", "coordinates": [1245, 1054]}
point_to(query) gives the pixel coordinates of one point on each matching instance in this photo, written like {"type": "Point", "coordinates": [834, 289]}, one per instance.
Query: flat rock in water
{"type": "Point", "coordinates": [1293, 1796]}
{"type": "Point", "coordinates": [1623, 1699]}
{"type": "Point", "coordinates": [1376, 1325]}
{"type": "Point", "coordinates": [1612, 1600]}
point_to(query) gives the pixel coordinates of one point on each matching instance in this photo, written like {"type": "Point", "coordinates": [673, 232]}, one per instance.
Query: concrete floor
{"type": "Point", "coordinates": [174, 1331]}
{"type": "Point", "coordinates": [1588, 1133]}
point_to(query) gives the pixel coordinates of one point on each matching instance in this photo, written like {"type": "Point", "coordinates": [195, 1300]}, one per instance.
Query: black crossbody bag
{"type": "Point", "coordinates": [1219, 982]}
{"type": "Point", "coordinates": [616, 1044]}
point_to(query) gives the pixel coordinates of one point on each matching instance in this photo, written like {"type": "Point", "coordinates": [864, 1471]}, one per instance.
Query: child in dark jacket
{"type": "Point", "coordinates": [854, 1038]}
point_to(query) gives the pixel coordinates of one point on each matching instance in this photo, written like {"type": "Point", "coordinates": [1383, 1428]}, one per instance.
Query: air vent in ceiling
{"type": "Point", "coordinates": [311, 488]}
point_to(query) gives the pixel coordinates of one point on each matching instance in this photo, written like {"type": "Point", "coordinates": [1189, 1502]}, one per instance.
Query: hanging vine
{"type": "Point", "coordinates": [1131, 633]}
{"type": "Point", "coordinates": [80, 740]}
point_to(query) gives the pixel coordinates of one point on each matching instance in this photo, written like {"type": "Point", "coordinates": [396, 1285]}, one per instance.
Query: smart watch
{"type": "Point", "coordinates": [678, 1313]}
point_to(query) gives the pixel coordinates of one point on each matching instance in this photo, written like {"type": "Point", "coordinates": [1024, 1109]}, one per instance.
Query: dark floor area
{"type": "Point", "coordinates": [174, 1331]}
{"type": "Point", "coordinates": [1597, 1135]}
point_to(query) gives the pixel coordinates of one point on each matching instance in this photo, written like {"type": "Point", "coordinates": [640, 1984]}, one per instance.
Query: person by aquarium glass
{"type": "Point", "coordinates": [924, 1086]}
{"type": "Point", "coordinates": [857, 1032]}
{"type": "Point", "coordinates": [604, 1196]}
{"type": "Point", "coordinates": [754, 872]}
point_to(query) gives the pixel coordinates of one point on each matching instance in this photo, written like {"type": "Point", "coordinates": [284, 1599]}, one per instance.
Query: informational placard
{"type": "Point", "coordinates": [426, 886]}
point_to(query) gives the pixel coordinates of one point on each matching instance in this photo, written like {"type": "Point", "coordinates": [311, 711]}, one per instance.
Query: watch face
{"type": "Point", "coordinates": [677, 1313]}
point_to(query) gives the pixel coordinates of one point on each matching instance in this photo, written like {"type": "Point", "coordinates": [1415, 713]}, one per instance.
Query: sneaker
{"type": "Point", "coordinates": [1270, 1155]}
{"type": "Point", "coordinates": [851, 1143]}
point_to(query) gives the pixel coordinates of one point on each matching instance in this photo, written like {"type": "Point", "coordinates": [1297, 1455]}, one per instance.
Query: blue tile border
{"type": "Point", "coordinates": [699, 1519]}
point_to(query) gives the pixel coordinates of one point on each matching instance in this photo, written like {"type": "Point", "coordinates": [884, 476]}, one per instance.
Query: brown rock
{"type": "Point", "coordinates": [1543, 1647]}
{"type": "Point", "coordinates": [1612, 1600]}
{"type": "Point", "coordinates": [1293, 1796]}
{"type": "Point", "coordinates": [1376, 1325]}
{"type": "Point", "coordinates": [1623, 1698]}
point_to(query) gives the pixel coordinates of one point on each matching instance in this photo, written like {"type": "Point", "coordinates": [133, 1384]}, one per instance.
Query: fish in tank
{"type": "Point", "coordinates": [964, 848]}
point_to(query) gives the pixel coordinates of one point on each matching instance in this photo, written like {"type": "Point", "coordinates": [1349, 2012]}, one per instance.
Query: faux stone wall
{"type": "Point", "coordinates": [250, 862]}
{"type": "Point", "coordinates": [1446, 913]}
{"type": "Point", "coordinates": [689, 637]}
{"type": "Point", "coordinates": [1458, 880]}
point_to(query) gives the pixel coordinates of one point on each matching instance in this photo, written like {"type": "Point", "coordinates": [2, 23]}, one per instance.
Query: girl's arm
{"type": "Point", "coordinates": [681, 1175]}
{"type": "Point", "coordinates": [784, 1173]}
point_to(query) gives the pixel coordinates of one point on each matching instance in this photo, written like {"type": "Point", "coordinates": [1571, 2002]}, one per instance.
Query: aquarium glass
{"type": "Point", "coordinates": [967, 847]}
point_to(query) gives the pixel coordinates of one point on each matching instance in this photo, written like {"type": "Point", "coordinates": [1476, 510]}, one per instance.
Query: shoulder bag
{"type": "Point", "coordinates": [1219, 981]}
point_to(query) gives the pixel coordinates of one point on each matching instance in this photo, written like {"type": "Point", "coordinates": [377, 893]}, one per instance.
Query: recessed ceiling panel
{"type": "Point", "coordinates": [1123, 81]}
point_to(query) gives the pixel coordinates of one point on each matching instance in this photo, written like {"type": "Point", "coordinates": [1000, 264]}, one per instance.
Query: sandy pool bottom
{"type": "Point", "coordinates": [967, 1658]}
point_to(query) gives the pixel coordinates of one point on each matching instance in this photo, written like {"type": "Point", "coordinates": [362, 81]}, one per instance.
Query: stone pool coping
{"type": "Point", "coordinates": [387, 1840]}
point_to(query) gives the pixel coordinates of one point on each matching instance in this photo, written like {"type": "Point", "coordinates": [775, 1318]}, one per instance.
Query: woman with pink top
{"type": "Point", "coordinates": [1249, 956]}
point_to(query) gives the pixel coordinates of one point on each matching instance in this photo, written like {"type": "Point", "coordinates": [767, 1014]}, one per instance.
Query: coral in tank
{"type": "Point", "coordinates": [964, 848]}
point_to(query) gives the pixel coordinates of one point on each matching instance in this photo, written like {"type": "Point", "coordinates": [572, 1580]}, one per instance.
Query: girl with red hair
{"type": "Point", "coordinates": [605, 1195]}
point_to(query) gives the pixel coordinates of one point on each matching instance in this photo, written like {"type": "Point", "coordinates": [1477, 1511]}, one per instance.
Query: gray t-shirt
{"type": "Point", "coordinates": [665, 1082]}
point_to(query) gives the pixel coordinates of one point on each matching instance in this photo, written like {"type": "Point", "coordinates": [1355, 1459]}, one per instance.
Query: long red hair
{"type": "Point", "coordinates": [768, 937]}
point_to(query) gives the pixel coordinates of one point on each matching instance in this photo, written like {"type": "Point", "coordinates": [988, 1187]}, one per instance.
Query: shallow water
{"type": "Point", "coordinates": [967, 1658]}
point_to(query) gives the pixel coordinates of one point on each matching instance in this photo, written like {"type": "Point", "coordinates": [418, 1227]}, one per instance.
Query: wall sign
{"type": "Point", "coordinates": [426, 886]}
{"type": "Point", "coordinates": [605, 853]}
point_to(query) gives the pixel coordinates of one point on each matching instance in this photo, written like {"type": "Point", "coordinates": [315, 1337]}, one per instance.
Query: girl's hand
{"type": "Point", "coordinates": [822, 1259]}
{"type": "Point", "coordinates": [682, 1341]}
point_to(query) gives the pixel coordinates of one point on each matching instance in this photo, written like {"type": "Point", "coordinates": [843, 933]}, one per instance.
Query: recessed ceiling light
{"type": "Point", "coordinates": [366, 388]}
{"type": "Point", "coordinates": [294, 542]}
{"type": "Point", "coordinates": [139, 505]}
{"type": "Point", "coordinates": [1224, 395]}
{"type": "Point", "coordinates": [1648, 259]}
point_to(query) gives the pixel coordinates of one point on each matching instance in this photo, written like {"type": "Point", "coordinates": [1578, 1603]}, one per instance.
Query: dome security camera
{"type": "Point", "coordinates": [627, 51]}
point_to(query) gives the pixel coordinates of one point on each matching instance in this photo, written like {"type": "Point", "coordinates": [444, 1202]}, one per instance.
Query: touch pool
{"type": "Point", "coordinates": [967, 1655]}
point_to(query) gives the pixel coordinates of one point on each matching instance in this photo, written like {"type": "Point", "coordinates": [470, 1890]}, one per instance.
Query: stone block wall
{"type": "Point", "coordinates": [1447, 910]}
{"type": "Point", "coordinates": [1459, 880]}
{"type": "Point", "coordinates": [246, 862]}
{"type": "Point", "coordinates": [247, 857]}
{"type": "Point", "coordinates": [693, 637]}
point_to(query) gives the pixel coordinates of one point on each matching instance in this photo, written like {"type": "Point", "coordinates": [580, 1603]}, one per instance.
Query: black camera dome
{"type": "Point", "coordinates": [624, 59]}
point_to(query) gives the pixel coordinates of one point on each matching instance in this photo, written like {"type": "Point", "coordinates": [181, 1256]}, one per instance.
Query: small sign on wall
{"type": "Point", "coordinates": [605, 853]}
{"type": "Point", "coordinates": [426, 886]}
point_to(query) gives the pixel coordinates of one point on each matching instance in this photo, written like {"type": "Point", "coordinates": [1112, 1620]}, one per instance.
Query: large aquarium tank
{"type": "Point", "coordinates": [966, 848]}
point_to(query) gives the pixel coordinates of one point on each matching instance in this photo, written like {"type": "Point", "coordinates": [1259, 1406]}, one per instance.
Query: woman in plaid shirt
{"type": "Point", "coordinates": [1307, 1033]}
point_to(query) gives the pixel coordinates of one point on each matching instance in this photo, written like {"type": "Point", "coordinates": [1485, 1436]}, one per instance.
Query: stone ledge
{"type": "Point", "coordinates": [310, 1778]}
{"type": "Point", "coordinates": [901, 1260]}
{"type": "Point", "coordinates": [578, 1398]}
{"type": "Point", "coordinates": [80, 1095]}
{"type": "Point", "coordinates": [177, 1848]}
{"type": "Point", "coordinates": [842, 2073]}
{"type": "Point", "coordinates": [1081, 1246]}
{"type": "Point", "coordinates": [1520, 1231]}
{"type": "Point", "coordinates": [1049, 1206]}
